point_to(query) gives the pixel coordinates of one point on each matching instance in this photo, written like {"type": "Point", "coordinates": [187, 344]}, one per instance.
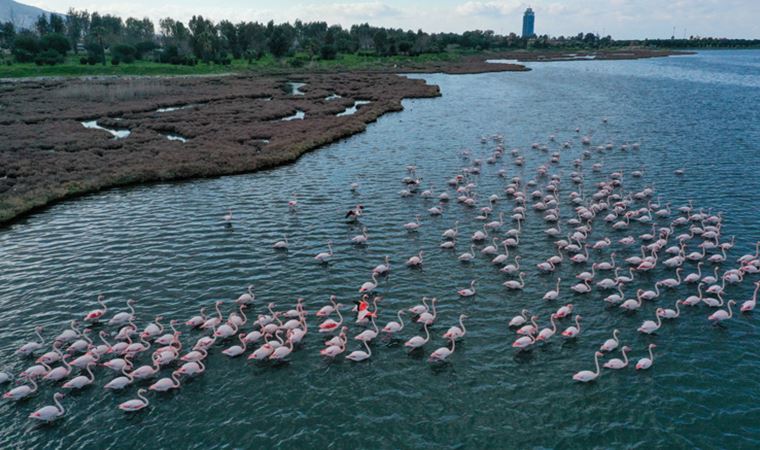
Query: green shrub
{"type": "Point", "coordinates": [54, 41]}
{"type": "Point", "coordinates": [328, 51]}
{"type": "Point", "coordinates": [48, 57]}
{"type": "Point", "coordinates": [124, 53]}
{"type": "Point", "coordinates": [25, 48]}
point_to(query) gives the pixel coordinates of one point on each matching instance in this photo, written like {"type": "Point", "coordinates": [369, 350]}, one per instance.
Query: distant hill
{"type": "Point", "coordinates": [23, 16]}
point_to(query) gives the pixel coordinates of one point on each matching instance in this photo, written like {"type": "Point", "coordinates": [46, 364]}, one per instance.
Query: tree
{"type": "Point", "coordinates": [7, 34]}
{"type": "Point", "coordinates": [56, 42]}
{"type": "Point", "coordinates": [229, 38]}
{"type": "Point", "coordinates": [138, 30]}
{"type": "Point", "coordinates": [279, 41]}
{"type": "Point", "coordinates": [41, 25]}
{"type": "Point", "coordinates": [204, 39]}
{"type": "Point", "coordinates": [56, 24]}
{"type": "Point", "coordinates": [123, 53]}
{"type": "Point", "coordinates": [25, 47]}
{"type": "Point", "coordinates": [77, 25]}
{"type": "Point", "coordinates": [380, 40]}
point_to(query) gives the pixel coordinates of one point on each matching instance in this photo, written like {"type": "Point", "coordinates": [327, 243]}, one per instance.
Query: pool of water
{"type": "Point", "coordinates": [351, 110]}
{"type": "Point", "coordinates": [117, 134]}
{"type": "Point", "coordinates": [166, 246]}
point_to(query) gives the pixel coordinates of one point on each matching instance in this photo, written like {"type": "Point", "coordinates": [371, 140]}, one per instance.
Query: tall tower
{"type": "Point", "coordinates": [529, 19]}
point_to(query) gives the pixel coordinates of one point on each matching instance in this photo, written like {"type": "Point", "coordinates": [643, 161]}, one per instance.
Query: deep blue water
{"type": "Point", "coordinates": [164, 245]}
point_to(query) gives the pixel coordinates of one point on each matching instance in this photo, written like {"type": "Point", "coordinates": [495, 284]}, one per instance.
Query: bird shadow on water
{"type": "Point", "coordinates": [524, 356]}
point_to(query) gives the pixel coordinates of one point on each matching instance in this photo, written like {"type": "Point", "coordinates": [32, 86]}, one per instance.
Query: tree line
{"type": "Point", "coordinates": [98, 38]}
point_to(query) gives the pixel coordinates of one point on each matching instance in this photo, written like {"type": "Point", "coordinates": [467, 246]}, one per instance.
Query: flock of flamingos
{"type": "Point", "coordinates": [683, 239]}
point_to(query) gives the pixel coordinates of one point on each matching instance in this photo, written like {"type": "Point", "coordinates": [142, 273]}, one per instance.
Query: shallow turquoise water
{"type": "Point", "coordinates": [164, 246]}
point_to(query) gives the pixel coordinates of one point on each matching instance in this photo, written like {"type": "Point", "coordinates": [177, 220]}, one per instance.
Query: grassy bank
{"type": "Point", "coordinates": [267, 64]}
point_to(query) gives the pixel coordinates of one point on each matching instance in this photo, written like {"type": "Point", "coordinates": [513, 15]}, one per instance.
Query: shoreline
{"type": "Point", "coordinates": [233, 124]}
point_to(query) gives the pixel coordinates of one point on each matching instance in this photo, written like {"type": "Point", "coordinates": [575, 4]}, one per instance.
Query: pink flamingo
{"type": "Point", "coordinates": [359, 355]}
{"type": "Point", "coordinates": [650, 326]}
{"type": "Point", "coordinates": [573, 331]}
{"type": "Point", "coordinates": [31, 347]}
{"type": "Point", "coordinates": [442, 353]}
{"type": "Point", "coordinates": [51, 412]}
{"type": "Point", "coordinates": [393, 326]}
{"type": "Point", "coordinates": [468, 292]}
{"type": "Point", "coordinates": [721, 314]}
{"type": "Point", "coordinates": [418, 341]}
{"type": "Point", "coordinates": [329, 324]}
{"type": "Point", "coordinates": [166, 384]}
{"type": "Point", "coordinates": [124, 317]}
{"type": "Point", "coordinates": [611, 344]}
{"type": "Point", "coordinates": [616, 363]}
{"type": "Point", "coordinates": [197, 321]}
{"type": "Point", "coordinates": [584, 376]}
{"type": "Point", "coordinates": [749, 305]}
{"type": "Point", "coordinates": [135, 404]}
{"type": "Point", "coordinates": [456, 332]}
{"type": "Point", "coordinates": [20, 392]}
{"type": "Point", "coordinates": [646, 363]}
{"type": "Point", "coordinates": [96, 314]}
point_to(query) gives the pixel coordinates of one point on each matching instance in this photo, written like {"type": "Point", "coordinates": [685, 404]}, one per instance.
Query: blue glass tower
{"type": "Point", "coordinates": [529, 19]}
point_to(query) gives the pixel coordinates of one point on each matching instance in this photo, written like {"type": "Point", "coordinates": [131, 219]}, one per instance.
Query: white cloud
{"type": "Point", "coordinates": [492, 8]}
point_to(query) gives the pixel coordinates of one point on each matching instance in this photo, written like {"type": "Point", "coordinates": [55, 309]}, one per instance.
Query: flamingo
{"type": "Point", "coordinates": [213, 322]}
{"type": "Point", "coordinates": [153, 329]}
{"type": "Point", "coordinates": [283, 351]}
{"type": "Point", "coordinates": [418, 341]}
{"type": "Point", "coordinates": [468, 292]}
{"type": "Point", "coordinates": [519, 319]}
{"type": "Point", "coordinates": [721, 315]}
{"type": "Point", "coordinates": [53, 356]}
{"type": "Point", "coordinates": [468, 256]}
{"type": "Point", "coordinates": [426, 317]}
{"type": "Point", "coordinates": [564, 311]}
{"type": "Point", "coordinates": [529, 329]}
{"type": "Point", "coordinates": [523, 342]}
{"type": "Point", "coordinates": [646, 363]}
{"type": "Point", "coordinates": [573, 331]}
{"type": "Point", "coordinates": [694, 277]}
{"type": "Point", "coordinates": [51, 412]}
{"type": "Point", "coordinates": [246, 298]}
{"type": "Point", "coordinates": [329, 324]}
{"type": "Point", "coordinates": [649, 326]}
{"type": "Point", "coordinates": [281, 245]}
{"type": "Point", "coordinates": [415, 261]}
{"type": "Point", "coordinates": [442, 353]}
{"type": "Point", "coordinates": [236, 350]}
{"type": "Point", "coordinates": [96, 314]}
{"type": "Point", "coordinates": [611, 344]}
{"type": "Point", "coordinates": [670, 282]}
{"type": "Point", "coordinates": [419, 309]}
{"type": "Point", "coordinates": [456, 332]}
{"type": "Point", "coordinates": [616, 363]}
{"type": "Point", "coordinates": [135, 404]}
{"type": "Point", "coordinates": [585, 376]}
{"type": "Point", "coordinates": [328, 309]}
{"type": "Point", "coordinates": [413, 226]}
{"type": "Point", "coordinates": [393, 326]}
{"type": "Point", "coordinates": [670, 313]}
{"type": "Point", "coordinates": [368, 335]}
{"type": "Point", "coordinates": [124, 317]}
{"type": "Point", "coordinates": [359, 355]}
{"type": "Point", "coordinates": [383, 269]}
{"type": "Point", "coordinates": [581, 288]}
{"type": "Point", "coordinates": [553, 294]}
{"type": "Point", "coordinates": [515, 285]}
{"type": "Point", "coordinates": [81, 381]}
{"type": "Point", "coordinates": [36, 371]}
{"type": "Point", "coordinates": [451, 233]}
{"type": "Point", "coordinates": [192, 368]}
{"type": "Point", "coordinates": [31, 347]}
{"type": "Point", "coordinates": [20, 392]}
{"type": "Point", "coordinates": [145, 372]}
{"type": "Point", "coordinates": [749, 305]}
{"type": "Point", "coordinates": [59, 373]}
{"type": "Point", "coordinates": [651, 295]}
{"type": "Point", "coordinates": [324, 257]}
{"type": "Point", "coordinates": [197, 321]}
{"type": "Point", "coordinates": [196, 355]}
{"type": "Point", "coordinates": [546, 333]}
{"type": "Point", "coordinates": [369, 286]}
{"type": "Point", "coordinates": [166, 384]}
{"type": "Point", "coordinates": [120, 382]}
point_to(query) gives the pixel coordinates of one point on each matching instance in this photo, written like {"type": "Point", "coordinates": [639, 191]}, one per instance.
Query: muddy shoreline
{"type": "Point", "coordinates": [182, 128]}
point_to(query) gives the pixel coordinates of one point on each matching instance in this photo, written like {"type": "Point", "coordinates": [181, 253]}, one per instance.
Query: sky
{"type": "Point", "coordinates": [622, 19]}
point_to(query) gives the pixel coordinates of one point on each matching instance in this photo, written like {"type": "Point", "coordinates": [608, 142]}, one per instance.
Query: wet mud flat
{"type": "Point", "coordinates": [61, 138]}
